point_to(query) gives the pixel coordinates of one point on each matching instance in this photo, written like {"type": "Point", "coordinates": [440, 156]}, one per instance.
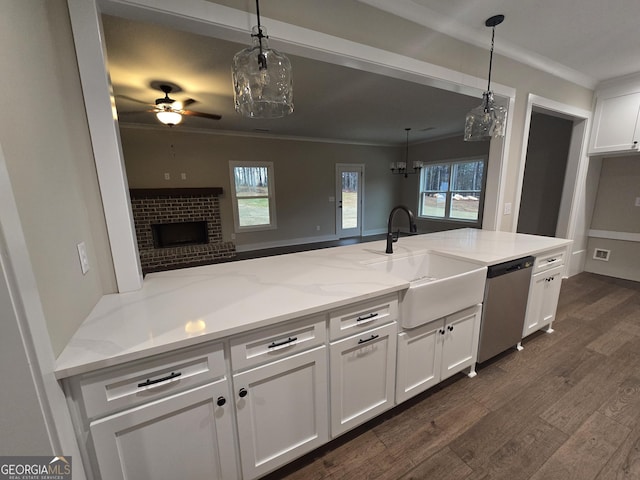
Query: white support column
{"type": "Point", "coordinates": [105, 137]}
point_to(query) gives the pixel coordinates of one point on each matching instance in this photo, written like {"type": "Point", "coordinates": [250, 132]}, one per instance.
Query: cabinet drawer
{"type": "Point", "coordinates": [363, 316]}
{"type": "Point", "coordinates": [117, 388]}
{"type": "Point", "coordinates": [277, 342]}
{"type": "Point", "coordinates": [548, 260]}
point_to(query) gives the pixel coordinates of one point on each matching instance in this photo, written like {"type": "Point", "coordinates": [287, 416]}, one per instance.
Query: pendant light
{"type": "Point", "coordinates": [401, 168]}
{"type": "Point", "coordinates": [262, 84]}
{"type": "Point", "coordinates": [488, 120]}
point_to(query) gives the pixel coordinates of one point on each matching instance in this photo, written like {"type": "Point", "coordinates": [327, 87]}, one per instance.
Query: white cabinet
{"type": "Point", "coordinates": [543, 300]}
{"type": "Point", "coordinates": [362, 376]}
{"type": "Point", "coordinates": [186, 435]}
{"type": "Point", "coordinates": [281, 395]}
{"type": "Point", "coordinates": [435, 351]}
{"type": "Point", "coordinates": [169, 416]}
{"type": "Point", "coordinates": [616, 128]}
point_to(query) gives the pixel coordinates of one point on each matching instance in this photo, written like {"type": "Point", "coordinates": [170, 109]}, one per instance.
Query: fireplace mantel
{"type": "Point", "coordinates": [171, 192]}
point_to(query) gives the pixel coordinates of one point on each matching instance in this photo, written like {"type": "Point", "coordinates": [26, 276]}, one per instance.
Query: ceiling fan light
{"type": "Point", "coordinates": [169, 118]}
{"type": "Point", "coordinates": [262, 80]}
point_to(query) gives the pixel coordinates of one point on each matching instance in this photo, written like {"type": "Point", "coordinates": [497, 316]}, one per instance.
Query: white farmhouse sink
{"type": "Point", "coordinates": [439, 285]}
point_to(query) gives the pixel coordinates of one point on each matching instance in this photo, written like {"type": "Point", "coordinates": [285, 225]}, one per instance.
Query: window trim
{"type": "Point", "coordinates": [234, 197]}
{"type": "Point", "coordinates": [448, 219]}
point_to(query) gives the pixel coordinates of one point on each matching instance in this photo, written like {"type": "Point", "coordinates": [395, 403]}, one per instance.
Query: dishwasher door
{"type": "Point", "coordinates": [504, 307]}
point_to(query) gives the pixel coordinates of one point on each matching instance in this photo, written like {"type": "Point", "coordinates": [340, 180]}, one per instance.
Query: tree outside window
{"type": "Point", "coordinates": [453, 190]}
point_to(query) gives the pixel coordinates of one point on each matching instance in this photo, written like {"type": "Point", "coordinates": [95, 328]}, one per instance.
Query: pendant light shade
{"type": "Point", "coordinates": [262, 80]}
{"type": "Point", "coordinates": [488, 120]}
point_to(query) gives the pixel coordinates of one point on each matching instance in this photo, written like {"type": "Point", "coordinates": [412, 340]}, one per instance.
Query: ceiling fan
{"type": "Point", "coordinates": [168, 110]}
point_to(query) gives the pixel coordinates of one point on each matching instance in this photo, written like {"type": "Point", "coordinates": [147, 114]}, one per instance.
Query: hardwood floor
{"type": "Point", "coordinates": [566, 407]}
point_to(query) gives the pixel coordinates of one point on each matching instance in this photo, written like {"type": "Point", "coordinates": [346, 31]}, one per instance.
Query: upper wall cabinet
{"type": "Point", "coordinates": [615, 127]}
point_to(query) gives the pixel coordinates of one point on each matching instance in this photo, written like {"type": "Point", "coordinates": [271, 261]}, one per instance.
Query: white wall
{"type": "Point", "coordinates": [305, 177]}
{"type": "Point", "coordinates": [616, 216]}
{"type": "Point", "coordinates": [43, 131]}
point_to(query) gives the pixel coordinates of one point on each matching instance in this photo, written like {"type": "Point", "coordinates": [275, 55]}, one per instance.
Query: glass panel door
{"type": "Point", "coordinates": [349, 179]}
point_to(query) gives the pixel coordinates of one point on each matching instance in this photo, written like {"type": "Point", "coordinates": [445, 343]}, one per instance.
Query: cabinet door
{"type": "Point", "coordinates": [281, 411]}
{"type": "Point", "coordinates": [550, 297]}
{"type": "Point", "coordinates": [187, 435]}
{"type": "Point", "coordinates": [615, 124]}
{"type": "Point", "coordinates": [419, 357]}
{"type": "Point", "coordinates": [543, 300]}
{"type": "Point", "coordinates": [362, 377]}
{"type": "Point", "coordinates": [460, 341]}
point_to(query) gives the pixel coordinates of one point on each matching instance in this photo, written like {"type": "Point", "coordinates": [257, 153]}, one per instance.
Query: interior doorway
{"type": "Point", "coordinates": [349, 183]}
{"type": "Point", "coordinates": [573, 211]}
{"type": "Point", "coordinates": [544, 174]}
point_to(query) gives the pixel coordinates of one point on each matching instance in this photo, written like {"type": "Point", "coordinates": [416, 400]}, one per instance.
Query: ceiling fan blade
{"type": "Point", "coordinates": [211, 116]}
{"type": "Point", "coordinates": [135, 112]}
{"type": "Point", "coordinates": [187, 102]}
{"type": "Point", "coordinates": [133, 99]}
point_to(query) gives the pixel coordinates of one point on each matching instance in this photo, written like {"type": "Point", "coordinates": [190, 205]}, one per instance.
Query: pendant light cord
{"type": "Point", "coordinates": [262, 59]}
{"type": "Point", "coordinates": [493, 35]}
{"type": "Point", "coordinates": [407, 148]}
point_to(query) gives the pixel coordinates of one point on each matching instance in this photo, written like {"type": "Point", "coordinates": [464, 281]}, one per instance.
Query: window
{"type": "Point", "coordinates": [453, 190]}
{"type": "Point", "coordinates": [253, 195]}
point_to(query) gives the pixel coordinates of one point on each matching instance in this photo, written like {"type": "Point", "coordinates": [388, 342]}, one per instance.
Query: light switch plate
{"type": "Point", "coordinates": [637, 201]}
{"type": "Point", "coordinates": [84, 260]}
{"type": "Point", "coordinates": [507, 209]}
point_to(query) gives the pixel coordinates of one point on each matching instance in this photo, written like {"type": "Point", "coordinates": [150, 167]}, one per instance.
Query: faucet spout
{"type": "Point", "coordinates": [390, 236]}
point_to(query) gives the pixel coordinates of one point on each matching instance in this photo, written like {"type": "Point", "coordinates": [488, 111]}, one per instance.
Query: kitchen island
{"type": "Point", "coordinates": [185, 307]}
{"type": "Point", "coordinates": [309, 344]}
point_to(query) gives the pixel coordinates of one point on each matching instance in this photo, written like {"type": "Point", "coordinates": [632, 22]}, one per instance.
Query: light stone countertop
{"type": "Point", "coordinates": [186, 307]}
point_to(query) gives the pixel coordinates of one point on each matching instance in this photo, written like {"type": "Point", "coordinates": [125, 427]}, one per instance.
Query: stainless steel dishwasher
{"type": "Point", "coordinates": [504, 307]}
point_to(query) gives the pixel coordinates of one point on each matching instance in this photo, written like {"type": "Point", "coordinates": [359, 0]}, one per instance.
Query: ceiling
{"type": "Point", "coordinates": [584, 41]}
{"type": "Point", "coordinates": [331, 101]}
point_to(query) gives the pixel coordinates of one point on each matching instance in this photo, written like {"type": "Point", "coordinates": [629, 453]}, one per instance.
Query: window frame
{"type": "Point", "coordinates": [448, 194]}
{"type": "Point", "coordinates": [271, 196]}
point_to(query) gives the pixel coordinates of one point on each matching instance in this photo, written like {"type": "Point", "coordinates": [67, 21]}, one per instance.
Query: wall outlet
{"type": "Point", "coordinates": [233, 236]}
{"type": "Point", "coordinates": [84, 260]}
{"type": "Point", "coordinates": [332, 199]}
{"type": "Point", "coordinates": [317, 228]}
{"type": "Point", "coordinates": [637, 201]}
{"type": "Point", "coordinates": [507, 209]}
{"type": "Point", "coordinates": [601, 254]}
{"type": "Point", "coordinates": [167, 176]}
{"type": "Point", "coordinates": [183, 176]}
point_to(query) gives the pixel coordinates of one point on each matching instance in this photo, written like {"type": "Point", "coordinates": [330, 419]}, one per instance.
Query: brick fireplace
{"type": "Point", "coordinates": [178, 227]}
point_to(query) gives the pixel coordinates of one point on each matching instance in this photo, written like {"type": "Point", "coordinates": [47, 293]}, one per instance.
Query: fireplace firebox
{"type": "Point", "coordinates": [179, 234]}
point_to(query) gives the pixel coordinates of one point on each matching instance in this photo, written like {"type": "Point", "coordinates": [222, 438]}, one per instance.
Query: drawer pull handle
{"type": "Point", "coordinates": [242, 393]}
{"type": "Point", "coordinates": [551, 260]}
{"type": "Point", "coordinates": [221, 401]}
{"type": "Point", "coordinates": [159, 380]}
{"type": "Point", "coordinates": [283, 342]}
{"type": "Point", "coordinates": [450, 328]}
{"type": "Point", "coordinates": [441, 331]}
{"type": "Point", "coordinates": [372, 337]}
{"type": "Point", "coordinates": [367, 317]}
